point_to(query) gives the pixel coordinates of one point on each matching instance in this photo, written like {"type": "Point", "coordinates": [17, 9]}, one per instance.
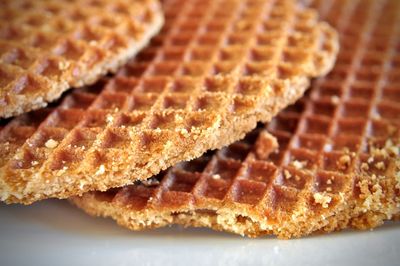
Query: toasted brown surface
{"type": "Point", "coordinates": [47, 47]}
{"type": "Point", "coordinates": [337, 165]}
{"type": "Point", "coordinates": [216, 69]}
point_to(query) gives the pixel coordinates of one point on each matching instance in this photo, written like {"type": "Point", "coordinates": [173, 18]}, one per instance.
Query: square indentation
{"type": "Point", "coordinates": [48, 137]}
{"type": "Point", "coordinates": [173, 54]}
{"type": "Point", "coordinates": [65, 158]}
{"type": "Point", "coordinates": [217, 84]}
{"type": "Point", "coordinates": [154, 85]}
{"type": "Point", "coordinates": [310, 142]}
{"type": "Point", "coordinates": [146, 55]}
{"type": "Point", "coordinates": [164, 121]}
{"type": "Point", "coordinates": [49, 67]}
{"type": "Point", "coordinates": [183, 181]}
{"type": "Point", "coordinates": [330, 89]}
{"type": "Point", "coordinates": [231, 53]}
{"type": "Point", "coordinates": [237, 39]}
{"type": "Point", "coordinates": [337, 161]}
{"type": "Point", "coordinates": [316, 125]}
{"type": "Point", "coordinates": [264, 69]}
{"type": "Point", "coordinates": [350, 127]}
{"type": "Point", "coordinates": [367, 75]}
{"type": "Point", "coordinates": [122, 84]}
{"type": "Point", "coordinates": [379, 129]}
{"type": "Point", "coordinates": [389, 111]}
{"type": "Point", "coordinates": [176, 102]}
{"type": "Point", "coordinates": [284, 122]}
{"type": "Point", "coordinates": [77, 100]}
{"type": "Point", "coordinates": [65, 118]}
{"type": "Point", "coordinates": [208, 102]}
{"type": "Point", "coordinates": [181, 39]}
{"type": "Point", "coordinates": [391, 93]}
{"type": "Point", "coordinates": [338, 74]}
{"type": "Point", "coordinates": [133, 70]}
{"type": "Point", "coordinates": [68, 50]}
{"type": "Point", "coordinates": [355, 109]}
{"type": "Point", "coordinates": [184, 85]}
{"type": "Point", "coordinates": [189, 25]}
{"type": "Point", "coordinates": [215, 26]}
{"type": "Point", "coordinates": [262, 54]}
{"type": "Point", "coordinates": [248, 87]}
{"type": "Point", "coordinates": [142, 101]}
{"type": "Point", "coordinates": [373, 165]}
{"type": "Point", "coordinates": [362, 91]}
{"type": "Point", "coordinates": [95, 118]}
{"type": "Point", "coordinates": [164, 69]}
{"type": "Point", "coordinates": [115, 138]}
{"type": "Point", "coordinates": [129, 120]}
{"type": "Point", "coordinates": [216, 188]}
{"type": "Point", "coordinates": [27, 84]}
{"type": "Point", "coordinates": [324, 107]}
{"type": "Point", "coordinates": [194, 69]}
{"type": "Point", "coordinates": [209, 40]}
{"type": "Point", "coordinates": [243, 104]}
{"type": "Point", "coordinates": [225, 169]}
{"type": "Point", "coordinates": [284, 198]}
{"type": "Point", "coordinates": [111, 101]}
{"type": "Point", "coordinates": [29, 159]}
{"type": "Point", "coordinates": [248, 192]}
{"type": "Point", "coordinates": [330, 182]}
{"type": "Point", "coordinates": [346, 143]}
{"type": "Point", "coordinates": [236, 151]}
{"type": "Point", "coordinates": [260, 171]}
{"type": "Point", "coordinates": [295, 56]}
{"type": "Point", "coordinates": [224, 68]}
{"type": "Point", "coordinates": [293, 177]}
{"type": "Point", "coordinates": [269, 39]}
{"type": "Point", "coordinates": [83, 137]}
{"type": "Point", "coordinates": [194, 166]}
{"type": "Point", "coordinates": [303, 158]}
{"type": "Point", "coordinates": [201, 54]}
{"type": "Point", "coordinates": [372, 60]}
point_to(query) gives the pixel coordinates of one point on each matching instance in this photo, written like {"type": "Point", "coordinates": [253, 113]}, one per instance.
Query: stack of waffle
{"type": "Point", "coordinates": [154, 144]}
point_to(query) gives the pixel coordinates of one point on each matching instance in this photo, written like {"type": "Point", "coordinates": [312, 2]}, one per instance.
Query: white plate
{"type": "Point", "coordinates": [55, 233]}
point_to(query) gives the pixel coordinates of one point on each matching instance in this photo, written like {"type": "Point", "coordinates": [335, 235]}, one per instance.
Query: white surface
{"type": "Point", "coordinates": [56, 233]}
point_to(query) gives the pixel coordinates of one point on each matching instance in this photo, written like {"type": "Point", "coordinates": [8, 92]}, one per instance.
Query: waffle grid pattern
{"type": "Point", "coordinates": [46, 47]}
{"type": "Point", "coordinates": [170, 104]}
{"type": "Point", "coordinates": [337, 164]}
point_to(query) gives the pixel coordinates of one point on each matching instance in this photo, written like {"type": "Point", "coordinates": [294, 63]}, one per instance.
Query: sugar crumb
{"type": "Point", "coordinates": [216, 176]}
{"type": "Point", "coordinates": [323, 199]}
{"type": "Point", "coordinates": [51, 144]}
{"type": "Point", "coordinates": [101, 170]}
{"type": "Point", "coordinates": [287, 174]}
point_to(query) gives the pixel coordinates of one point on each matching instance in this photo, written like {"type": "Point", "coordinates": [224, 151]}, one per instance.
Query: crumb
{"type": "Point", "coordinates": [287, 174]}
{"type": "Point", "coordinates": [298, 164]}
{"type": "Point", "coordinates": [216, 176]}
{"type": "Point", "coordinates": [335, 100]}
{"type": "Point", "coordinates": [329, 189]}
{"type": "Point", "coordinates": [344, 161]}
{"type": "Point", "coordinates": [329, 181]}
{"type": "Point", "coordinates": [370, 160]}
{"type": "Point", "coordinates": [322, 199]}
{"type": "Point", "coordinates": [380, 166]}
{"type": "Point", "coordinates": [150, 182]}
{"type": "Point", "coordinates": [109, 118]}
{"type": "Point", "coordinates": [63, 65]}
{"type": "Point", "coordinates": [101, 170]}
{"type": "Point", "coordinates": [364, 166]}
{"type": "Point", "coordinates": [51, 144]}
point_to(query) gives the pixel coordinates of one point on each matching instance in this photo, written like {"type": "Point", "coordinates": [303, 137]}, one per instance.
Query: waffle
{"type": "Point", "coordinates": [46, 47]}
{"type": "Point", "coordinates": [337, 165]}
{"type": "Point", "coordinates": [216, 69]}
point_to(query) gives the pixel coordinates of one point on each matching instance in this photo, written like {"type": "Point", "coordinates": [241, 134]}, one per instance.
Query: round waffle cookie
{"type": "Point", "coordinates": [46, 47]}
{"type": "Point", "coordinates": [216, 69]}
{"type": "Point", "coordinates": [337, 165]}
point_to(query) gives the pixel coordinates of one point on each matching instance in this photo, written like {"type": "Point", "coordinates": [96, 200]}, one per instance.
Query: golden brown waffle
{"type": "Point", "coordinates": [46, 47]}
{"type": "Point", "coordinates": [216, 69]}
{"type": "Point", "coordinates": [337, 165]}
